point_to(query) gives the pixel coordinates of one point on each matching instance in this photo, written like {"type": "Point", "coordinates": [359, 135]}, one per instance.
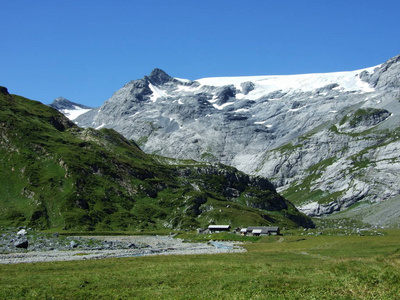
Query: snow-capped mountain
{"type": "Point", "coordinates": [210, 110]}
{"type": "Point", "coordinates": [70, 109]}
{"type": "Point", "coordinates": [304, 132]}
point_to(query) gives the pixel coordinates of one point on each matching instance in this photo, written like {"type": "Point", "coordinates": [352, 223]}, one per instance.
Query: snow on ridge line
{"type": "Point", "coordinates": [182, 80]}
{"type": "Point", "coordinates": [347, 80]}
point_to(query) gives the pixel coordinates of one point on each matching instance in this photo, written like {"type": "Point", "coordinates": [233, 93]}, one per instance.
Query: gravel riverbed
{"type": "Point", "coordinates": [43, 248]}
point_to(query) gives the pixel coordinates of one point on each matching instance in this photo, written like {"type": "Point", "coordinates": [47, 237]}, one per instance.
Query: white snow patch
{"type": "Point", "coordinates": [295, 109]}
{"type": "Point", "coordinates": [220, 107]}
{"type": "Point", "coordinates": [241, 110]}
{"type": "Point", "coordinates": [135, 114]}
{"type": "Point", "coordinates": [262, 123]}
{"type": "Point", "coordinates": [157, 93]}
{"type": "Point", "coordinates": [213, 100]}
{"type": "Point", "coordinates": [72, 114]}
{"type": "Point", "coordinates": [179, 101]}
{"type": "Point", "coordinates": [101, 126]}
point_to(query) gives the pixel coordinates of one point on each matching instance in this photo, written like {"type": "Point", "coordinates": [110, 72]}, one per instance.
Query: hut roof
{"type": "Point", "coordinates": [264, 229]}
{"type": "Point", "coordinates": [219, 226]}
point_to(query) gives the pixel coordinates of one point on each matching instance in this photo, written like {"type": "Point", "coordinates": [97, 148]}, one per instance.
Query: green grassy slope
{"type": "Point", "coordinates": [57, 175]}
{"type": "Point", "coordinates": [276, 267]}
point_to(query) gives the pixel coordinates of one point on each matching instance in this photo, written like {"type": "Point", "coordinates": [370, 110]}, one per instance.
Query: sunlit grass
{"type": "Point", "coordinates": [276, 267]}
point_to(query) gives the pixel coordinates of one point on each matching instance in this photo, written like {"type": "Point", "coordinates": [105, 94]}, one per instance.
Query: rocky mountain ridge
{"type": "Point", "coordinates": [260, 125]}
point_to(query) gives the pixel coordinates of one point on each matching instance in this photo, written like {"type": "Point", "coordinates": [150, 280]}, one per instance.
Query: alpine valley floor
{"type": "Point", "coordinates": [276, 267]}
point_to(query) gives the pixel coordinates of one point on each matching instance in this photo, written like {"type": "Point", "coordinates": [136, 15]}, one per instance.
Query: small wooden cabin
{"type": "Point", "coordinates": [218, 228]}
{"type": "Point", "coordinates": [256, 231]}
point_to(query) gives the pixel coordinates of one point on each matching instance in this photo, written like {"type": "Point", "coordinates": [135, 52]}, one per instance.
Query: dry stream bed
{"type": "Point", "coordinates": [98, 247]}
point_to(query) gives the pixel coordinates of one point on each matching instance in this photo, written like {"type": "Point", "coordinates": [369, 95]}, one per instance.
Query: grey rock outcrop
{"type": "Point", "coordinates": [282, 127]}
{"type": "Point", "coordinates": [21, 244]}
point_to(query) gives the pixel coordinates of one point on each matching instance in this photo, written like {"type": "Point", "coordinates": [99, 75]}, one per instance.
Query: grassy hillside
{"type": "Point", "coordinates": [57, 175]}
{"type": "Point", "coordinates": [276, 267]}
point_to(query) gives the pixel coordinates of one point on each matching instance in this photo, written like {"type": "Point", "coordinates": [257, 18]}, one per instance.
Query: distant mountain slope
{"type": "Point", "coordinates": [57, 175]}
{"type": "Point", "coordinates": [247, 122]}
{"type": "Point", "coordinates": [70, 109]}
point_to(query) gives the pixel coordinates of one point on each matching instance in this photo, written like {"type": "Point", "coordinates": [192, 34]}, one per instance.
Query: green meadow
{"type": "Point", "coordinates": [275, 267]}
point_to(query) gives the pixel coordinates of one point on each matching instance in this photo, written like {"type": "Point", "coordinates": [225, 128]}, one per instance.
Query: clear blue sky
{"type": "Point", "coordinates": [85, 50]}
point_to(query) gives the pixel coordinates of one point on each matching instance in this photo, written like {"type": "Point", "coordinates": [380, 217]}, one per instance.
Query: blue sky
{"type": "Point", "coordinates": [86, 50]}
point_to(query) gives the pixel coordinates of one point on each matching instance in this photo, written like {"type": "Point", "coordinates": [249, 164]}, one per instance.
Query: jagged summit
{"type": "Point", "coordinates": [62, 103]}
{"type": "Point", "coordinates": [159, 77]}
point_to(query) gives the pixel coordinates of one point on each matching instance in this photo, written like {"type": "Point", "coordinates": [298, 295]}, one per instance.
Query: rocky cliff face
{"type": "Point", "coordinates": [283, 127]}
{"type": "Point", "coordinates": [350, 158]}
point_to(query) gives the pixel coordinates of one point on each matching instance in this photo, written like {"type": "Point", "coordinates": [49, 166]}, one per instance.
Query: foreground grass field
{"type": "Point", "coordinates": [280, 267]}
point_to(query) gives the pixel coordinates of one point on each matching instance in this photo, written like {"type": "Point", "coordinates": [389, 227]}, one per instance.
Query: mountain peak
{"type": "Point", "coordinates": [63, 103]}
{"type": "Point", "coordinates": [61, 100]}
{"type": "Point", "coordinates": [159, 77]}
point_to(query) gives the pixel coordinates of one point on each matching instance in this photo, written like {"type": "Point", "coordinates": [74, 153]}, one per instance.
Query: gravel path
{"type": "Point", "coordinates": [140, 246]}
